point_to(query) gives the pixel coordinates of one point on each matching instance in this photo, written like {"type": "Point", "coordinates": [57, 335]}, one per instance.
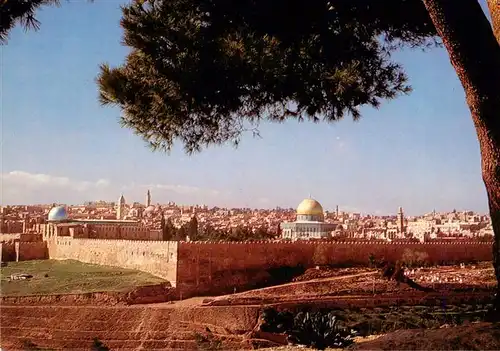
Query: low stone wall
{"type": "Point", "coordinates": [32, 251]}
{"type": "Point", "coordinates": [140, 295]}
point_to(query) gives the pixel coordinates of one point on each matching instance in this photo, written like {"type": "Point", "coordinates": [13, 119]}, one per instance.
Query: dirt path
{"type": "Point", "coordinates": [293, 284]}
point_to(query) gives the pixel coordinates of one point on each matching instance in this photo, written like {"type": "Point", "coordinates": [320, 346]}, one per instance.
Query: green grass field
{"type": "Point", "coordinates": [67, 277]}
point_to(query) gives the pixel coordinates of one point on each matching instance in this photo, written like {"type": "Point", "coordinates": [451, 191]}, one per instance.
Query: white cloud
{"type": "Point", "coordinates": [182, 189]}
{"type": "Point", "coordinates": [39, 180]}
{"type": "Point", "coordinates": [20, 187]}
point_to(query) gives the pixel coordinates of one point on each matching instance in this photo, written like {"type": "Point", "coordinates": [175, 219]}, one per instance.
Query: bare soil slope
{"type": "Point", "coordinates": [368, 285]}
{"type": "Point", "coordinates": [480, 336]}
{"type": "Point", "coordinates": [158, 327]}
{"type": "Point", "coordinates": [177, 326]}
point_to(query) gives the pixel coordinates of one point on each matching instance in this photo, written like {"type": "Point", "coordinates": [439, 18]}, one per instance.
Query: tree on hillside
{"type": "Point", "coordinates": [192, 229]}
{"type": "Point", "coordinates": [168, 229]}
{"type": "Point", "coordinates": [22, 12]}
{"type": "Point", "coordinates": [181, 233]}
{"type": "Point", "coordinates": [204, 72]}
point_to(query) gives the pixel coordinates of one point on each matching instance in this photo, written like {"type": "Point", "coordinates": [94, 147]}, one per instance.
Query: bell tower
{"type": "Point", "coordinates": [120, 211]}
{"type": "Point", "coordinates": [401, 221]}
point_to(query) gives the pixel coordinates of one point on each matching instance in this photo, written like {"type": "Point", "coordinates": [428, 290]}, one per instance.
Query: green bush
{"type": "Point", "coordinates": [98, 345]}
{"type": "Point", "coordinates": [318, 330]}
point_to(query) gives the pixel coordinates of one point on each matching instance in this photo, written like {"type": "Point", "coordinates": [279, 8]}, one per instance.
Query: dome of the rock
{"type": "Point", "coordinates": [310, 207]}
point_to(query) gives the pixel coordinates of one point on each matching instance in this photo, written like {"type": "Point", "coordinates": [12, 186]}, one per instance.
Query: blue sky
{"type": "Point", "coordinates": [59, 145]}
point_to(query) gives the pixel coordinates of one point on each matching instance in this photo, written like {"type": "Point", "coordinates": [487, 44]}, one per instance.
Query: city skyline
{"type": "Point", "coordinates": [336, 208]}
{"type": "Point", "coordinates": [419, 151]}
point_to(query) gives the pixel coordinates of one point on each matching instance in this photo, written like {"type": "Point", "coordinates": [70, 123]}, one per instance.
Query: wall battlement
{"type": "Point", "coordinates": [220, 267]}
{"type": "Point", "coordinates": [216, 267]}
{"type": "Point", "coordinates": [280, 243]}
{"type": "Point", "coordinates": [118, 241]}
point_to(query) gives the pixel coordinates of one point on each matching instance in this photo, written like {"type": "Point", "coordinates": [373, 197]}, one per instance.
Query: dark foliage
{"type": "Point", "coordinates": [318, 329]}
{"type": "Point", "coordinates": [193, 229]}
{"type": "Point", "coordinates": [207, 341]}
{"type": "Point", "coordinates": [168, 229]}
{"type": "Point", "coordinates": [282, 275]}
{"type": "Point", "coordinates": [203, 72]}
{"type": "Point", "coordinates": [371, 260]}
{"type": "Point", "coordinates": [29, 345]}
{"type": "Point", "coordinates": [97, 345]}
{"type": "Point", "coordinates": [22, 12]}
{"type": "Point", "coordinates": [208, 233]}
{"type": "Point", "coordinates": [197, 232]}
{"type": "Point", "coordinates": [395, 272]}
{"type": "Point", "coordinates": [276, 322]}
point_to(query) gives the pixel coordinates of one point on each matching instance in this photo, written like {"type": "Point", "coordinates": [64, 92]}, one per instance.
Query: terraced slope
{"type": "Point", "coordinates": [144, 327]}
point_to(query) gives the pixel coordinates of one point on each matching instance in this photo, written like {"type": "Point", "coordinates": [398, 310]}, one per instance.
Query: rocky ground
{"type": "Point", "coordinates": [232, 322]}
{"type": "Point", "coordinates": [364, 283]}
{"type": "Point", "coordinates": [475, 336]}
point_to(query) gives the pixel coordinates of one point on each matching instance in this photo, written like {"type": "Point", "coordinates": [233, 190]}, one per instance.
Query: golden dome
{"type": "Point", "coordinates": [310, 207]}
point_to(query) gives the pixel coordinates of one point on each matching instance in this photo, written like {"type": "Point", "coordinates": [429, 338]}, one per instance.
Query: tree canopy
{"type": "Point", "coordinates": [202, 72]}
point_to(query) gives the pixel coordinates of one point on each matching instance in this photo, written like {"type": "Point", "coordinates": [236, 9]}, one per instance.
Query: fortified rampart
{"type": "Point", "coordinates": [156, 257]}
{"type": "Point", "coordinates": [23, 251]}
{"type": "Point", "coordinates": [210, 268]}
{"type": "Point", "coordinates": [8, 251]}
{"type": "Point", "coordinates": [214, 268]}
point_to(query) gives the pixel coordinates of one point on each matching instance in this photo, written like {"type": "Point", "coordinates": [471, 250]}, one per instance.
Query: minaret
{"type": "Point", "coordinates": [148, 199]}
{"type": "Point", "coordinates": [401, 221]}
{"type": "Point", "coordinates": [337, 211]}
{"type": "Point", "coordinates": [121, 207]}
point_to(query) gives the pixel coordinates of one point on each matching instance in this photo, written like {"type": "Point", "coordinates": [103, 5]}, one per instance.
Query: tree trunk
{"type": "Point", "coordinates": [475, 55]}
{"type": "Point", "coordinates": [494, 6]}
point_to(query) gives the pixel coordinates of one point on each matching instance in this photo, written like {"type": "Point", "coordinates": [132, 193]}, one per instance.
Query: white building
{"type": "Point", "coordinates": [310, 223]}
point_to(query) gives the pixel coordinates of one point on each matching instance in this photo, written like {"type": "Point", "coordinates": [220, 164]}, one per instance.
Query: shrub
{"type": "Point", "coordinates": [371, 261]}
{"type": "Point", "coordinates": [314, 329]}
{"type": "Point", "coordinates": [276, 322]}
{"type": "Point", "coordinates": [98, 345]}
{"type": "Point", "coordinates": [319, 330]}
{"type": "Point", "coordinates": [207, 342]}
{"type": "Point", "coordinates": [29, 345]}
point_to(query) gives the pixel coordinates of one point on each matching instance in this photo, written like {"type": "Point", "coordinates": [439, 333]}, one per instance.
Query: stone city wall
{"type": "Point", "coordinates": [11, 227]}
{"type": "Point", "coordinates": [23, 251]}
{"type": "Point", "coordinates": [156, 257]}
{"type": "Point", "coordinates": [199, 268]}
{"type": "Point", "coordinates": [214, 268]}
{"type": "Point", "coordinates": [8, 251]}
{"type": "Point", "coordinates": [32, 251]}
